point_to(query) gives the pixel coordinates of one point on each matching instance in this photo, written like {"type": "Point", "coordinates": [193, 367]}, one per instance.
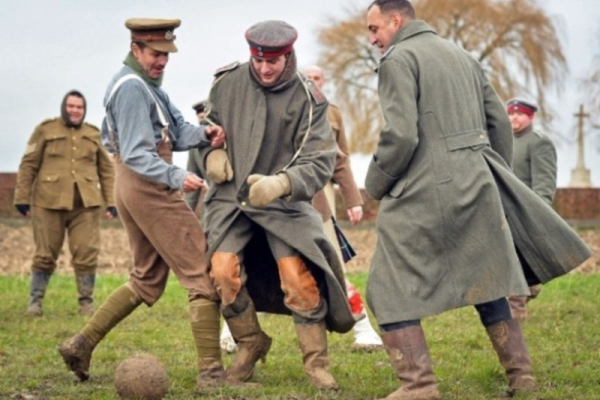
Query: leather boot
{"type": "Point", "coordinates": [77, 351]}
{"type": "Point", "coordinates": [39, 283]}
{"type": "Point", "coordinates": [253, 344]}
{"type": "Point", "coordinates": [313, 343]}
{"type": "Point", "coordinates": [205, 319]}
{"type": "Point", "coordinates": [85, 287]}
{"type": "Point", "coordinates": [507, 339]}
{"type": "Point", "coordinates": [408, 353]}
{"type": "Point", "coordinates": [518, 307]}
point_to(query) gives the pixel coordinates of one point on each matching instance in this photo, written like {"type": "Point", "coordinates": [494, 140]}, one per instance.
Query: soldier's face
{"type": "Point", "coordinates": [200, 115]}
{"type": "Point", "coordinates": [153, 62]}
{"type": "Point", "coordinates": [316, 76]}
{"type": "Point", "coordinates": [519, 121]}
{"type": "Point", "coordinates": [269, 69]}
{"type": "Point", "coordinates": [382, 27]}
{"type": "Point", "coordinates": [75, 109]}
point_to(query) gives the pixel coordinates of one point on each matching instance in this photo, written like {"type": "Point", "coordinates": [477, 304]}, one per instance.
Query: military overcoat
{"type": "Point", "coordinates": [441, 172]}
{"type": "Point", "coordinates": [57, 157]}
{"type": "Point", "coordinates": [264, 128]}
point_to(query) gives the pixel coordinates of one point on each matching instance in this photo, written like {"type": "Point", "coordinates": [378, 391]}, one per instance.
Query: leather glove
{"type": "Point", "coordinates": [266, 188]}
{"type": "Point", "coordinates": [23, 208]}
{"type": "Point", "coordinates": [113, 211]}
{"type": "Point", "coordinates": [218, 167]}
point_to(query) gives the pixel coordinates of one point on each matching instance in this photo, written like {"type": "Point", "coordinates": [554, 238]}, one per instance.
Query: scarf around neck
{"type": "Point", "coordinates": [135, 65]}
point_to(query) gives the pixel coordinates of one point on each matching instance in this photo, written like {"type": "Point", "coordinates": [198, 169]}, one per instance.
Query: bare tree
{"type": "Point", "coordinates": [515, 40]}
{"type": "Point", "coordinates": [591, 86]}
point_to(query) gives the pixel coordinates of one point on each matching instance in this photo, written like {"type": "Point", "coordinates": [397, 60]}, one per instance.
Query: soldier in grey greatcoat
{"type": "Point", "coordinates": [280, 151]}
{"type": "Point", "coordinates": [451, 210]}
{"type": "Point", "coordinates": [534, 163]}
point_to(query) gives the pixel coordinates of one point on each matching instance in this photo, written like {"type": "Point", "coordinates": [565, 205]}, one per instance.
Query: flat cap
{"type": "Point", "coordinates": [522, 106]}
{"type": "Point", "coordinates": [200, 106]}
{"type": "Point", "coordinates": [155, 33]}
{"type": "Point", "coordinates": [270, 39]}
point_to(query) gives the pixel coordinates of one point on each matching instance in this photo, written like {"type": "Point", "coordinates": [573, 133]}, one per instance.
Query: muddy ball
{"type": "Point", "coordinates": [141, 377]}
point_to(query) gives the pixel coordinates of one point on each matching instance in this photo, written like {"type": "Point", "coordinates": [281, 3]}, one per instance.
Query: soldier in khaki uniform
{"type": "Point", "coordinates": [65, 177]}
{"type": "Point", "coordinates": [534, 163]}
{"type": "Point", "coordinates": [365, 337]}
{"type": "Point", "coordinates": [142, 129]}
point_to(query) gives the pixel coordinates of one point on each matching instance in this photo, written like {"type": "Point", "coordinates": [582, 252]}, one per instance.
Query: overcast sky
{"type": "Point", "coordinates": [50, 47]}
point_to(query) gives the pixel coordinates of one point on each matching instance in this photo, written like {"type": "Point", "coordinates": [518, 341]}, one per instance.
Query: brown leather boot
{"type": "Point", "coordinates": [39, 283]}
{"type": "Point", "coordinates": [77, 351]}
{"type": "Point", "coordinates": [409, 356]}
{"type": "Point", "coordinates": [204, 319]}
{"type": "Point", "coordinates": [507, 339]}
{"type": "Point", "coordinates": [313, 343]}
{"type": "Point", "coordinates": [85, 288]}
{"type": "Point", "coordinates": [253, 344]}
{"type": "Point", "coordinates": [518, 307]}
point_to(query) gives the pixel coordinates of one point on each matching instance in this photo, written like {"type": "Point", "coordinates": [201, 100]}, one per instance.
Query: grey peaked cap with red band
{"type": "Point", "coordinates": [521, 105]}
{"type": "Point", "coordinates": [270, 39]}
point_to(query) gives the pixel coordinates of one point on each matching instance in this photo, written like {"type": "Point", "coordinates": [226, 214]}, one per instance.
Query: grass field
{"type": "Point", "coordinates": [563, 336]}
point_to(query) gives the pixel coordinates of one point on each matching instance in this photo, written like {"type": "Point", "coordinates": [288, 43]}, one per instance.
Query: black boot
{"type": "Point", "coordinates": [85, 287]}
{"type": "Point", "coordinates": [39, 283]}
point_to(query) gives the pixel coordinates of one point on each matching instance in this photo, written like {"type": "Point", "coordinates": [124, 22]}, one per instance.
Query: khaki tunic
{"type": "Point", "coordinates": [342, 173]}
{"type": "Point", "coordinates": [58, 159]}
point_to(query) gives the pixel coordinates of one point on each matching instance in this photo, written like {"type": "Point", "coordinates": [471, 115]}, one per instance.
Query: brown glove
{"type": "Point", "coordinates": [266, 188]}
{"type": "Point", "coordinates": [218, 167]}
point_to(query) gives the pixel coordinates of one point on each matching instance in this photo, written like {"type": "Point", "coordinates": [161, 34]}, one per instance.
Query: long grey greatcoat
{"type": "Point", "coordinates": [441, 172]}
{"type": "Point", "coordinates": [265, 128]}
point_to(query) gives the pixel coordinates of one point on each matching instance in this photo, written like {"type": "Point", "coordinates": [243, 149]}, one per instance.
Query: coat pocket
{"type": "Point", "coordinates": [56, 145]}
{"type": "Point", "coordinates": [398, 188]}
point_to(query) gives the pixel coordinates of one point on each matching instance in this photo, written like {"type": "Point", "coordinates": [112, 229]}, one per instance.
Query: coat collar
{"type": "Point", "coordinates": [411, 29]}
{"type": "Point", "coordinates": [525, 131]}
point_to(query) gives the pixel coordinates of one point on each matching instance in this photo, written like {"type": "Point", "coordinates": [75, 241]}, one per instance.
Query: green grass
{"type": "Point", "coordinates": [563, 335]}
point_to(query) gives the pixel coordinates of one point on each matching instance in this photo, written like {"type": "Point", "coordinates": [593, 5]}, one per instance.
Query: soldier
{"type": "Point", "coordinates": [142, 128]}
{"type": "Point", "coordinates": [64, 179]}
{"type": "Point", "coordinates": [365, 337]}
{"type": "Point", "coordinates": [451, 212]}
{"type": "Point", "coordinates": [267, 248]}
{"type": "Point", "coordinates": [534, 163]}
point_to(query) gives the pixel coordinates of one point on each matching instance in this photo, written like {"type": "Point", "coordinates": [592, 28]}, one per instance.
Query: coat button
{"type": "Point", "coordinates": [243, 204]}
{"type": "Point", "coordinates": [481, 137]}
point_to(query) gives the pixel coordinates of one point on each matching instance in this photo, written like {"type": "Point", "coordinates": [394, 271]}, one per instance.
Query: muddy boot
{"type": "Point", "coordinates": [204, 318]}
{"type": "Point", "coordinates": [409, 356]}
{"type": "Point", "coordinates": [313, 343]}
{"type": "Point", "coordinates": [518, 307]}
{"type": "Point", "coordinates": [39, 283]}
{"type": "Point", "coordinates": [85, 287]}
{"type": "Point", "coordinates": [77, 351]}
{"type": "Point", "coordinates": [253, 344]}
{"type": "Point", "coordinates": [507, 339]}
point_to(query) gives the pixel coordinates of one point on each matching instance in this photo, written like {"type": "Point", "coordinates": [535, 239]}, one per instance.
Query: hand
{"type": "Point", "coordinates": [216, 134]}
{"type": "Point", "coordinates": [111, 212]}
{"type": "Point", "coordinates": [266, 188]}
{"type": "Point", "coordinates": [193, 182]}
{"type": "Point", "coordinates": [355, 214]}
{"type": "Point", "coordinates": [218, 167]}
{"type": "Point", "coordinates": [23, 209]}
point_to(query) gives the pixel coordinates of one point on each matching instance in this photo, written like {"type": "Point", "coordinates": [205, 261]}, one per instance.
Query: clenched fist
{"type": "Point", "coordinates": [266, 188]}
{"type": "Point", "coordinates": [218, 167]}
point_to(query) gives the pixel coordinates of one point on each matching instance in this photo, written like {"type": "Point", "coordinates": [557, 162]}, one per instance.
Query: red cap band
{"type": "Point", "coordinates": [260, 53]}
{"type": "Point", "coordinates": [520, 108]}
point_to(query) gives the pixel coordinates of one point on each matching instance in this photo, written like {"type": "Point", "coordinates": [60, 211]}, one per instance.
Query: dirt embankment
{"type": "Point", "coordinates": [17, 248]}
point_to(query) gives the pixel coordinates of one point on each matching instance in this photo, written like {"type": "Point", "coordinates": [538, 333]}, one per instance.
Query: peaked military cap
{"type": "Point", "coordinates": [522, 106]}
{"type": "Point", "coordinates": [270, 39]}
{"type": "Point", "coordinates": [155, 33]}
{"type": "Point", "coordinates": [200, 106]}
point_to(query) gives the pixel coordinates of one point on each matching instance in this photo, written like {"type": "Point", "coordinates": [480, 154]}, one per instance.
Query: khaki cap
{"type": "Point", "coordinates": [155, 33]}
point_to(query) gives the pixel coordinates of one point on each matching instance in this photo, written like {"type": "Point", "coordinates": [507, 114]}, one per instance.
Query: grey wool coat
{"type": "Point", "coordinates": [441, 170]}
{"type": "Point", "coordinates": [264, 129]}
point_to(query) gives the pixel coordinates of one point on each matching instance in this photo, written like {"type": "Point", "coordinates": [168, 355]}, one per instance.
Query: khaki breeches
{"type": "Point", "coordinates": [164, 235]}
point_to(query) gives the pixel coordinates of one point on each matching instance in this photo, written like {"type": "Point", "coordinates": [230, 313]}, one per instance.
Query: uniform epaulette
{"type": "Point", "coordinates": [315, 92]}
{"type": "Point", "coordinates": [227, 68]}
{"type": "Point", "coordinates": [92, 126]}
{"type": "Point", "coordinates": [44, 122]}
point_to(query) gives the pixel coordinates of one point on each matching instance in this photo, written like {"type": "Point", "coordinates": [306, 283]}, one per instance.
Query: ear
{"type": "Point", "coordinates": [397, 20]}
{"type": "Point", "coordinates": [135, 49]}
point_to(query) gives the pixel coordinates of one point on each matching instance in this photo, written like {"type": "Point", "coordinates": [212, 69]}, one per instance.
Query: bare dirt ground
{"type": "Point", "coordinates": [16, 250]}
